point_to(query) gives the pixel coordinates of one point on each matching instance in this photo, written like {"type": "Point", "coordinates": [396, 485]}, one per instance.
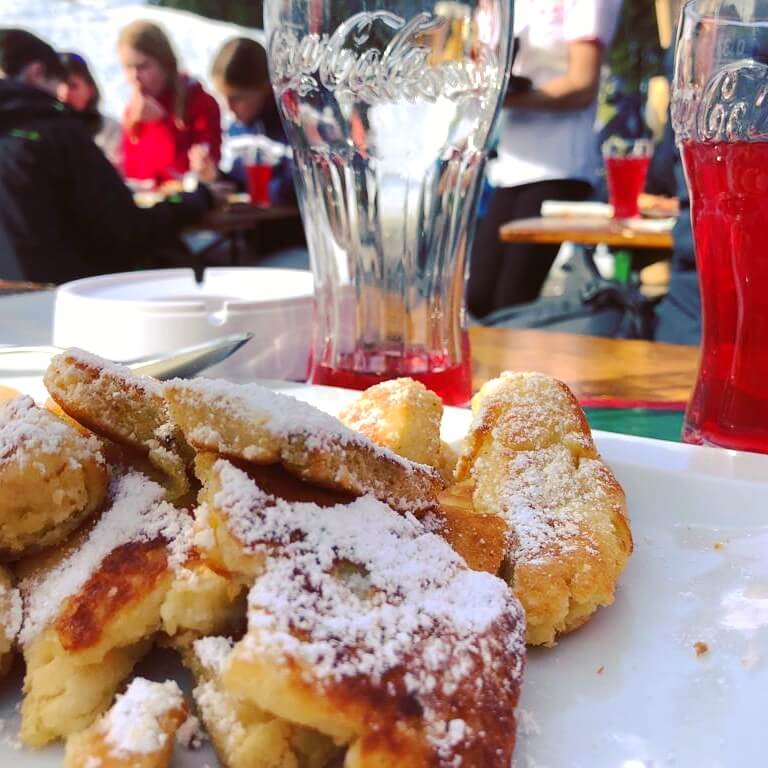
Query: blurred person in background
{"type": "Point", "coordinates": [547, 147]}
{"type": "Point", "coordinates": [168, 113]}
{"type": "Point", "coordinates": [65, 212]}
{"type": "Point", "coordinates": [241, 77]}
{"type": "Point", "coordinates": [79, 91]}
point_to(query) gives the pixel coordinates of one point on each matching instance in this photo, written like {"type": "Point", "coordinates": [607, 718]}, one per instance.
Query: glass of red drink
{"type": "Point", "coordinates": [720, 115]}
{"type": "Point", "coordinates": [626, 166]}
{"type": "Point", "coordinates": [258, 176]}
{"type": "Point", "coordinates": [388, 106]}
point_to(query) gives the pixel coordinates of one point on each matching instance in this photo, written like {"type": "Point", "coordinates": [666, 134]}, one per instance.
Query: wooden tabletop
{"type": "Point", "coordinates": [244, 216]}
{"type": "Point", "coordinates": [235, 215]}
{"type": "Point", "coordinates": [593, 367]}
{"type": "Point", "coordinates": [615, 233]}
{"type": "Point", "coordinates": [9, 287]}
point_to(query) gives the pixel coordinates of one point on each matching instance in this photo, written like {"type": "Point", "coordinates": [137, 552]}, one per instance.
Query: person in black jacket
{"type": "Point", "coordinates": [65, 213]}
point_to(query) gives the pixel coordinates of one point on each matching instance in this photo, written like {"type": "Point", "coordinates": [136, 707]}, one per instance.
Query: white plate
{"type": "Point", "coordinates": [628, 690]}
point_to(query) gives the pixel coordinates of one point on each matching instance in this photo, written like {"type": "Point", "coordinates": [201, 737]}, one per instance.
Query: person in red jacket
{"type": "Point", "coordinates": [168, 113]}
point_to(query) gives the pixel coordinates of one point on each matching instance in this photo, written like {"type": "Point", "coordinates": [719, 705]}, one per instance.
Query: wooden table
{"type": "Point", "coordinates": [552, 230]}
{"type": "Point", "coordinates": [242, 217]}
{"type": "Point", "coordinates": [593, 367]}
{"type": "Point", "coordinates": [230, 220]}
{"type": "Point", "coordinates": [233, 220]}
{"type": "Point", "coordinates": [10, 287]}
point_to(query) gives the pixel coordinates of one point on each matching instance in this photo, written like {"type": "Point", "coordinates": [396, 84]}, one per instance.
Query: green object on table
{"type": "Point", "coordinates": [643, 422]}
{"type": "Point", "coordinates": [622, 265]}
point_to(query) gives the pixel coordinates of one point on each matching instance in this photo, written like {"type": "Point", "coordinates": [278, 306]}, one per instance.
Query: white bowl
{"type": "Point", "coordinates": [125, 316]}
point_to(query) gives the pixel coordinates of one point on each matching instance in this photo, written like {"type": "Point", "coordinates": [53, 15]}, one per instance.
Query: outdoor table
{"type": "Point", "coordinates": [235, 219]}
{"type": "Point", "coordinates": [9, 287]}
{"type": "Point", "coordinates": [587, 232]}
{"type": "Point", "coordinates": [594, 368]}
{"type": "Point", "coordinates": [229, 221]}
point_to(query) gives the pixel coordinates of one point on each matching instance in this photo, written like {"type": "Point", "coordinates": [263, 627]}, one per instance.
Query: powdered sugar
{"type": "Point", "coordinates": [191, 734]}
{"type": "Point", "coordinates": [108, 368]}
{"type": "Point", "coordinates": [216, 706]}
{"type": "Point", "coordinates": [540, 470]}
{"type": "Point", "coordinates": [371, 412]}
{"type": "Point", "coordinates": [27, 431]}
{"type": "Point", "coordinates": [213, 652]}
{"type": "Point", "coordinates": [136, 513]}
{"type": "Point", "coordinates": [134, 724]}
{"type": "Point", "coordinates": [10, 611]}
{"type": "Point", "coordinates": [279, 414]}
{"type": "Point", "coordinates": [547, 499]}
{"type": "Point", "coordinates": [359, 591]}
{"type": "Point", "coordinates": [532, 409]}
{"type": "Point", "coordinates": [218, 712]}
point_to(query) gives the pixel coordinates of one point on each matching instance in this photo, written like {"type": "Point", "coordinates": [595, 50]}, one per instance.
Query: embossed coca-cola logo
{"type": "Point", "coordinates": [732, 106]}
{"type": "Point", "coordinates": [351, 60]}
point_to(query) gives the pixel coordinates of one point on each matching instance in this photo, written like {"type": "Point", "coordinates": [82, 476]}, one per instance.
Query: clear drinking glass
{"type": "Point", "coordinates": [626, 167]}
{"type": "Point", "coordinates": [720, 114]}
{"type": "Point", "coordinates": [388, 105]}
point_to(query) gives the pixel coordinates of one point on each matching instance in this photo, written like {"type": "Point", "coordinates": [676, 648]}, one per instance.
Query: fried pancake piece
{"type": "Point", "coordinates": [531, 457]}
{"type": "Point", "coordinates": [219, 543]}
{"type": "Point", "coordinates": [128, 409]}
{"type": "Point", "coordinates": [10, 618]}
{"type": "Point", "coordinates": [123, 458]}
{"type": "Point", "coordinates": [481, 539]}
{"type": "Point", "coordinates": [368, 628]}
{"type": "Point", "coordinates": [137, 732]}
{"type": "Point", "coordinates": [91, 612]}
{"type": "Point", "coordinates": [243, 735]}
{"type": "Point", "coordinates": [449, 457]}
{"type": "Point", "coordinates": [202, 600]}
{"type": "Point", "coordinates": [51, 478]}
{"type": "Point", "coordinates": [254, 424]}
{"type": "Point", "coordinates": [402, 415]}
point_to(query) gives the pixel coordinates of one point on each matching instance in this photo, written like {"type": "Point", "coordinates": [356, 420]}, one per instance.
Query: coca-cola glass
{"type": "Point", "coordinates": [720, 116]}
{"type": "Point", "coordinates": [388, 105]}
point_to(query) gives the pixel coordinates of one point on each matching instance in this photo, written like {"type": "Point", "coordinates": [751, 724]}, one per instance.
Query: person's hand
{"type": "Point", "coordinates": [143, 108]}
{"type": "Point", "coordinates": [201, 163]}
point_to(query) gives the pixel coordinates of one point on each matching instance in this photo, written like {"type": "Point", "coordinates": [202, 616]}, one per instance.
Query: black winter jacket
{"type": "Point", "coordinates": [65, 213]}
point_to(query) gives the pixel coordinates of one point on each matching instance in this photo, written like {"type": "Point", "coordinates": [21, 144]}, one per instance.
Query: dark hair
{"type": "Point", "coordinates": [241, 63]}
{"type": "Point", "coordinates": [19, 49]}
{"type": "Point", "coordinates": [76, 66]}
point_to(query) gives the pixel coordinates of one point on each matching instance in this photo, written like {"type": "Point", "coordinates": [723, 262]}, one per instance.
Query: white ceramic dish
{"type": "Point", "coordinates": [125, 316]}
{"type": "Point", "coordinates": [628, 690]}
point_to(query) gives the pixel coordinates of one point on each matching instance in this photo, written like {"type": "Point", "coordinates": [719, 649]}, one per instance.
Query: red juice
{"type": "Point", "coordinates": [626, 180]}
{"type": "Point", "coordinates": [729, 210]}
{"type": "Point", "coordinates": [258, 177]}
{"type": "Point", "coordinates": [451, 381]}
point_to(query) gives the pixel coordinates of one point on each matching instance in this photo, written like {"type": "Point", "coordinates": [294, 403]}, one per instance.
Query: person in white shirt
{"type": "Point", "coordinates": [547, 146]}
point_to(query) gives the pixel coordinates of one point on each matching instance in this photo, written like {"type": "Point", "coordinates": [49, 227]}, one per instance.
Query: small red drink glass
{"type": "Point", "coordinates": [259, 175]}
{"type": "Point", "coordinates": [626, 166]}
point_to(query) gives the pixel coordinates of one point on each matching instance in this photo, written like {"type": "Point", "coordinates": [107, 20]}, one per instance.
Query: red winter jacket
{"type": "Point", "coordinates": [158, 150]}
